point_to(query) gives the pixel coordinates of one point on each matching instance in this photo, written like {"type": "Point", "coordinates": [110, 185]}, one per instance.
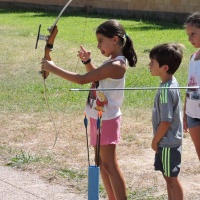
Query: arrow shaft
{"type": "Point", "coordinates": [136, 88]}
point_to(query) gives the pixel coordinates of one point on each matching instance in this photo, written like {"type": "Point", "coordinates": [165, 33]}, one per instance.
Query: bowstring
{"type": "Point", "coordinates": [78, 60]}
{"type": "Point", "coordinates": [49, 110]}
{"type": "Point", "coordinates": [84, 30]}
{"type": "Point", "coordinates": [83, 37]}
{"type": "Point", "coordinates": [44, 82]}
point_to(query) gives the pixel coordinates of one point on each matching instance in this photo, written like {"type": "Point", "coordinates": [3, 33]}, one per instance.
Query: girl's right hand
{"type": "Point", "coordinates": [83, 54]}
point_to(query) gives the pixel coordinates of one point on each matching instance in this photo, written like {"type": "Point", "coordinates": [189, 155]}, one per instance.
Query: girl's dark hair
{"type": "Point", "coordinates": [193, 19]}
{"type": "Point", "coordinates": [170, 54]}
{"type": "Point", "coordinates": [113, 28]}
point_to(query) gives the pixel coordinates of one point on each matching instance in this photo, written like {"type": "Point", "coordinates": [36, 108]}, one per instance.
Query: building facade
{"type": "Point", "coordinates": [163, 9]}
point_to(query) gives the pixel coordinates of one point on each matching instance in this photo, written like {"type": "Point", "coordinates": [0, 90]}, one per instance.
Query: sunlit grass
{"type": "Point", "coordinates": [21, 84]}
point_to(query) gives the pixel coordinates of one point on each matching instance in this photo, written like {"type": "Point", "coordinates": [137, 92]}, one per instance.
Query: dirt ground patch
{"type": "Point", "coordinates": [32, 135]}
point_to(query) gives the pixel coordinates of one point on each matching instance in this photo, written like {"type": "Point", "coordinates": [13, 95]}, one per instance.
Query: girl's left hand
{"type": "Point", "coordinates": [83, 54]}
{"type": "Point", "coordinates": [47, 65]}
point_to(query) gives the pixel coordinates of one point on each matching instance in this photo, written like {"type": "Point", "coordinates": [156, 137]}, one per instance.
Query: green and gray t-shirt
{"type": "Point", "coordinates": [168, 108]}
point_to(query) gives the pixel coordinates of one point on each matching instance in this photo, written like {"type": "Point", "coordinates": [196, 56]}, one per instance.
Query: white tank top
{"type": "Point", "coordinates": [193, 95]}
{"type": "Point", "coordinates": [109, 102]}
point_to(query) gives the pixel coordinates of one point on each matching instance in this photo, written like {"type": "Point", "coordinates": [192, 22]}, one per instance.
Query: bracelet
{"type": "Point", "coordinates": [86, 62]}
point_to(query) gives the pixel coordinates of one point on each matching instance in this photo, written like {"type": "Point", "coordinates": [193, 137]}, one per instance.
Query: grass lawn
{"type": "Point", "coordinates": [21, 88]}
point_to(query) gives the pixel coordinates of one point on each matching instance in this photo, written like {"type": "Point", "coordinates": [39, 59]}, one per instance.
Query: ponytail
{"type": "Point", "coordinates": [128, 51]}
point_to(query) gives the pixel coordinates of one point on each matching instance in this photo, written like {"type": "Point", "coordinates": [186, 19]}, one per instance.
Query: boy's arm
{"type": "Point", "coordinates": [162, 129]}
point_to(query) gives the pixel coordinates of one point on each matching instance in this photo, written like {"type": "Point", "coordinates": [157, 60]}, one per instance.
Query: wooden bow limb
{"type": "Point", "coordinates": [48, 48]}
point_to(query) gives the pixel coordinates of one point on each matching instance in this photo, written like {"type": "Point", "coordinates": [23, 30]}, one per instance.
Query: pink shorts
{"type": "Point", "coordinates": [110, 131]}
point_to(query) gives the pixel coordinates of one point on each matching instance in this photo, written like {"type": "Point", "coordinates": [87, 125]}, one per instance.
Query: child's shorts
{"type": "Point", "coordinates": [168, 160]}
{"type": "Point", "coordinates": [109, 132]}
{"type": "Point", "coordinates": [192, 122]}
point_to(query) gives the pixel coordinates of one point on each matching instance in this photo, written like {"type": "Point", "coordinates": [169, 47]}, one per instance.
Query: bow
{"type": "Point", "coordinates": [48, 48]}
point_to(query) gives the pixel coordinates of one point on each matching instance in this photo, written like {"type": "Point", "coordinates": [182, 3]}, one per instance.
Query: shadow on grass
{"type": "Point", "coordinates": [53, 11]}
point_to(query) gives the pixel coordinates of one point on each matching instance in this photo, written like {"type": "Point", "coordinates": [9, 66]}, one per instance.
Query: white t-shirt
{"type": "Point", "coordinates": [109, 102]}
{"type": "Point", "coordinates": [193, 95]}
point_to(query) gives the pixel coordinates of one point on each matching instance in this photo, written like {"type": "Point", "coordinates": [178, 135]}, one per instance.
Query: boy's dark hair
{"type": "Point", "coordinates": [113, 28]}
{"type": "Point", "coordinates": [170, 54]}
{"type": "Point", "coordinates": [193, 19]}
